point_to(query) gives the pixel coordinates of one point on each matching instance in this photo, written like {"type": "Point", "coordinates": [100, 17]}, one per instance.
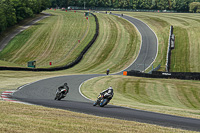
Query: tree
{"type": "Point", "coordinates": [173, 5]}
{"type": "Point", "coordinates": [135, 4]}
{"type": "Point", "coordinates": [163, 4]}
{"type": "Point", "coordinates": [195, 7]}
{"type": "Point", "coordinates": [108, 3]}
{"type": "Point", "coordinates": [125, 3]}
{"type": "Point", "coordinates": [3, 22]}
{"type": "Point", "coordinates": [45, 4]}
{"type": "Point", "coordinates": [183, 5]}
{"type": "Point", "coordinates": [179, 5]}
{"type": "Point", "coordinates": [13, 11]}
{"type": "Point", "coordinates": [10, 12]}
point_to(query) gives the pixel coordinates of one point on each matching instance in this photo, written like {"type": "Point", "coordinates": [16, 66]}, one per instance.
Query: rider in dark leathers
{"type": "Point", "coordinates": [108, 93]}
{"type": "Point", "coordinates": [65, 86]}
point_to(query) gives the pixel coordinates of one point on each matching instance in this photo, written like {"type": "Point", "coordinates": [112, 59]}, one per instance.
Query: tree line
{"type": "Point", "coordinates": [14, 11]}
{"type": "Point", "coordinates": [195, 7]}
{"type": "Point", "coordinates": [177, 5]}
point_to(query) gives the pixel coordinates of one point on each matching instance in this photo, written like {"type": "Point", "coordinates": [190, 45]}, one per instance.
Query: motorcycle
{"type": "Point", "coordinates": [102, 100]}
{"type": "Point", "coordinates": [61, 94]}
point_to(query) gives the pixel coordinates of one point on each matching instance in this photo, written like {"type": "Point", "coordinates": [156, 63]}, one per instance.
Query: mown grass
{"type": "Point", "coordinates": [25, 118]}
{"type": "Point", "coordinates": [54, 39]}
{"type": "Point", "coordinates": [175, 97]}
{"type": "Point", "coordinates": [125, 38]}
{"type": "Point", "coordinates": [185, 56]}
{"type": "Point", "coordinates": [22, 23]}
{"type": "Point", "coordinates": [182, 49]}
{"type": "Point", "coordinates": [116, 47]}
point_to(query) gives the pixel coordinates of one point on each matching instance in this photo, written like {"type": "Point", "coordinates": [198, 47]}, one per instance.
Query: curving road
{"type": "Point", "coordinates": [149, 45]}
{"type": "Point", "coordinates": [43, 92]}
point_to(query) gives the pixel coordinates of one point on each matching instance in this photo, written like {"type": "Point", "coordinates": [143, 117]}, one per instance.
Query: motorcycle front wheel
{"type": "Point", "coordinates": [95, 103]}
{"type": "Point", "coordinates": [60, 96]}
{"type": "Point", "coordinates": [103, 103]}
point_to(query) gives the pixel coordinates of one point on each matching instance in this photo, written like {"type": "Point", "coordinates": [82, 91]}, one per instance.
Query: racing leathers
{"type": "Point", "coordinates": [65, 86]}
{"type": "Point", "coordinates": [108, 93]}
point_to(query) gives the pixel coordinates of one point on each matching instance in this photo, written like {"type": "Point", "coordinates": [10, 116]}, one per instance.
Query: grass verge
{"type": "Point", "coordinates": [116, 47]}
{"type": "Point", "coordinates": [42, 119]}
{"type": "Point", "coordinates": [185, 56]}
{"type": "Point", "coordinates": [25, 118]}
{"type": "Point", "coordinates": [54, 39]}
{"type": "Point", "coordinates": [176, 97]}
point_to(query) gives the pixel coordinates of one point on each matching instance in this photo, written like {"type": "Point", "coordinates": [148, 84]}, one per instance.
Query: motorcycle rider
{"type": "Point", "coordinates": [108, 93]}
{"type": "Point", "coordinates": [107, 72]}
{"type": "Point", "coordinates": [65, 86]}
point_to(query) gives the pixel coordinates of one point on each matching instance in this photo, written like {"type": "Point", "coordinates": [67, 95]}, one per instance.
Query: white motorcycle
{"type": "Point", "coordinates": [61, 94]}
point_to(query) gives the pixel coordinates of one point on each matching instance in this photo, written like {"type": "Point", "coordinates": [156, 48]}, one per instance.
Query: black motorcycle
{"type": "Point", "coordinates": [61, 94]}
{"type": "Point", "coordinates": [102, 100]}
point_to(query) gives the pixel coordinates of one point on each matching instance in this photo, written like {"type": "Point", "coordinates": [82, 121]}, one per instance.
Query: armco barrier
{"type": "Point", "coordinates": [179, 75]}
{"type": "Point", "coordinates": [171, 45]}
{"type": "Point", "coordinates": [155, 69]}
{"type": "Point", "coordinates": [77, 60]}
{"type": "Point", "coordinates": [168, 58]}
{"type": "Point", "coordinates": [167, 75]}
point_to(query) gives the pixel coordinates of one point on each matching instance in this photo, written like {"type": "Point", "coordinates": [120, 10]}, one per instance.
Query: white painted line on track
{"type": "Point", "coordinates": [91, 74]}
{"type": "Point", "coordinates": [140, 46]}
{"type": "Point", "coordinates": [82, 84]}
{"type": "Point", "coordinates": [7, 96]}
{"type": "Point", "coordinates": [133, 61]}
{"type": "Point", "coordinates": [141, 42]}
{"type": "Point", "coordinates": [156, 39]}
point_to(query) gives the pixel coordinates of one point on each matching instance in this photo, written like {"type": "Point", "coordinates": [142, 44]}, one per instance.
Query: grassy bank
{"type": "Point", "coordinates": [54, 39]}
{"type": "Point", "coordinates": [115, 51]}
{"type": "Point", "coordinates": [175, 97]}
{"type": "Point", "coordinates": [22, 23]}
{"type": "Point", "coordinates": [116, 47]}
{"type": "Point", "coordinates": [185, 56]}
{"type": "Point", "coordinates": [25, 118]}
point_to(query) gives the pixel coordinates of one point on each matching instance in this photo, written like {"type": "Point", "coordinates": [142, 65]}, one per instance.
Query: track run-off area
{"type": "Point", "coordinates": [43, 92]}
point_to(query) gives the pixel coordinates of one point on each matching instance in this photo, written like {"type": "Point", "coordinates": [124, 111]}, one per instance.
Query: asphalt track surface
{"type": "Point", "coordinates": [43, 92]}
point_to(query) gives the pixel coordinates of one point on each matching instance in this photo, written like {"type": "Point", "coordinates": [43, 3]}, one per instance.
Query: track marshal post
{"type": "Point", "coordinates": [32, 64]}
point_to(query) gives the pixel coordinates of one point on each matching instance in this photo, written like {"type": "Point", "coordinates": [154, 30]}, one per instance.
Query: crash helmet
{"type": "Point", "coordinates": [65, 84]}
{"type": "Point", "coordinates": [110, 87]}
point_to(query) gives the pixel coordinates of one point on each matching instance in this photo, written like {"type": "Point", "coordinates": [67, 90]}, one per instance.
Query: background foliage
{"type": "Point", "coordinates": [13, 11]}
{"type": "Point", "coordinates": [195, 7]}
{"type": "Point", "coordinates": [178, 5]}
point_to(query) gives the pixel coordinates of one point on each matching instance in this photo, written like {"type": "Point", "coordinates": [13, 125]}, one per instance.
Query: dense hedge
{"type": "Point", "coordinates": [177, 5]}
{"type": "Point", "coordinates": [195, 7]}
{"type": "Point", "coordinates": [13, 11]}
{"type": "Point", "coordinates": [78, 59]}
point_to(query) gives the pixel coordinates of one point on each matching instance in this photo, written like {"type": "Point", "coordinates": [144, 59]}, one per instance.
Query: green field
{"type": "Point", "coordinates": [116, 47]}
{"type": "Point", "coordinates": [167, 96]}
{"type": "Point", "coordinates": [185, 57]}
{"type": "Point", "coordinates": [19, 118]}
{"type": "Point", "coordinates": [54, 39]}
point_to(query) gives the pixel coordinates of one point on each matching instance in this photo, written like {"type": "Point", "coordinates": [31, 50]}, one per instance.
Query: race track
{"type": "Point", "coordinates": [43, 92]}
